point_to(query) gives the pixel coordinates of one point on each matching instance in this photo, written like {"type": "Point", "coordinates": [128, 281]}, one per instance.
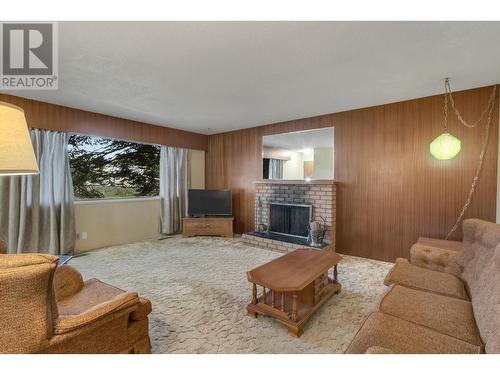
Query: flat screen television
{"type": "Point", "coordinates": [209, 202]}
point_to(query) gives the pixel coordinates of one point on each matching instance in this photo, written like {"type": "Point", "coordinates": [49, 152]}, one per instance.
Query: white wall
{"type": "Point", "coordinates": [115, 222]}
{"type": "Point", "coordinates": [293, 169]}
{"type": "Point", "coordinates": [323, 163]}
{"type": "Point", "coordinates": [120, 221]}
{"type": "Point", "coordinates": [307, 154]}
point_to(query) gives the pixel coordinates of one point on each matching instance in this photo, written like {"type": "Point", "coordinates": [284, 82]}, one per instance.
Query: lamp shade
{"type": "Point", "coordinates": [445, 146]}
{"type": "Point", "coordinates": [16, 151]}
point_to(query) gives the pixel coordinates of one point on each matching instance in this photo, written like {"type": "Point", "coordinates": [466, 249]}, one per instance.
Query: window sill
{"type": "Point", "coordinates": [115, 200]}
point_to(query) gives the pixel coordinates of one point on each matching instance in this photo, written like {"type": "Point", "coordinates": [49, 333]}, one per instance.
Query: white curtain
{"type": "Point", "coordinates": [37, 212]}
{"type": "Point", "coordinates": [276, 169]}
{"type": "Point", "coordinates": [174, 184]}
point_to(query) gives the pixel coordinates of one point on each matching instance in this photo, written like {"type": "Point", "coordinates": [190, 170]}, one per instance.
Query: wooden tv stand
{"type": "Point", "coordinates": [207, 226]}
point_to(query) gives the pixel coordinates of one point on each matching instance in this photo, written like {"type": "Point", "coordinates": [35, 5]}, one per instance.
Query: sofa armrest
{"type": "Point", "coordinates": [67, 282]}
{"type": "Point", "coordinates": [67, 323]}
{"type": "Point", "coordinates": [435, 258]}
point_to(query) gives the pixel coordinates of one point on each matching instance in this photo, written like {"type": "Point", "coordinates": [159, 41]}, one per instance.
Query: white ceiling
{"type": "Point", "coordinates": [306, 139]}
{"type": "Point", "coordinates": [212, 77]}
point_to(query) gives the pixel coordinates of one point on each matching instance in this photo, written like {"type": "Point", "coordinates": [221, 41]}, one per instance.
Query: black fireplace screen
{"type": "Point", "coordinates": [289, 219]}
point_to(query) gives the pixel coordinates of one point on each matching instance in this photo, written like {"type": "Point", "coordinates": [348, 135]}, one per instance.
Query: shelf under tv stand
{"type": "Point", "coordinates": [207, 226]}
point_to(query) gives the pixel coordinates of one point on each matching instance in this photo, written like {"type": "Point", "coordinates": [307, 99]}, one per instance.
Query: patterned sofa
{"type": "Point", "coordinates": [446, 299]}
{"type": "Point", "coordinates": [49, 309]}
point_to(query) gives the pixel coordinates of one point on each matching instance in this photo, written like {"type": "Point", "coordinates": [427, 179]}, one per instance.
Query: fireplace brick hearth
{"type": "Point", "coordinates": [321, 194]}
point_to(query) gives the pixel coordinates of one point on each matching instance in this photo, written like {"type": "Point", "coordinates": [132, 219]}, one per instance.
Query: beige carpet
{"type": "Point", "coordinates": [199, 292]}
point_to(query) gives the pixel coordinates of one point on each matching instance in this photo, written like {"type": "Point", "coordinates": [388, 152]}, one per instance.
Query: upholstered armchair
{"type": "Point", "coordinates": [50, 309]}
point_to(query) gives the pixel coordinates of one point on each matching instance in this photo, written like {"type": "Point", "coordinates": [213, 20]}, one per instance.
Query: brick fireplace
{"type": "Point", "coordinates": [320, 194]}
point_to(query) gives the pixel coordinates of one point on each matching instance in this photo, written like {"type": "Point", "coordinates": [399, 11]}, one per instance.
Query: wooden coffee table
{"type": "Point", "coordinates": [293, 286]}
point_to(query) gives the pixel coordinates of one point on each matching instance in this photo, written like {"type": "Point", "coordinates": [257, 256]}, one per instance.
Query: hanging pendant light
{"type": "Point", "coordinates": [445, 146]}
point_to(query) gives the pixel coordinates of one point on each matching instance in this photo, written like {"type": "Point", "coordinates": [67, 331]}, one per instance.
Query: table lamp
{"type": "Point", "coordinates": [16, 151]}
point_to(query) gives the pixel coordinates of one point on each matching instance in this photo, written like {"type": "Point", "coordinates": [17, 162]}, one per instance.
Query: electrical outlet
{"type": "Point", "coordinates": [82, 236]}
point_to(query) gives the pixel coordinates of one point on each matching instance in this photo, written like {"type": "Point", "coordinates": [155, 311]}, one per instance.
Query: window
{"type": "Point", "coordinates": [104, 168]}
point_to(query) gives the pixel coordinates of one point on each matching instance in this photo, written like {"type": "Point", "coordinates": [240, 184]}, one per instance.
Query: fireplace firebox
{"type": "Point", "coordinates": [314, 198]}
{"type": "Point", "coordinates": [289, 219]}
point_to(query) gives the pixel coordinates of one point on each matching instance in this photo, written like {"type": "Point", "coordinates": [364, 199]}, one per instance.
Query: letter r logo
{"type": "Point", "coordinates": [27, 49]}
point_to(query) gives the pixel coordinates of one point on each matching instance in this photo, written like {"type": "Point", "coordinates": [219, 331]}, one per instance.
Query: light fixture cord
{"type": "Point", "coordinates": [489, 111]}
{"type": "Point", "coordinates": [447, 88]}
{"type": "Point", "coordinates": [446, 106]}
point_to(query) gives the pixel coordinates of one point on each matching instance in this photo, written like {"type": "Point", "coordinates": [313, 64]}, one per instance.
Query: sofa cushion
{"type": "Point", "coordinates": [93, 302]}
{"type": "Point", "coordinates": [400, 336]}
{"type": "Point", "coordinates": [67, 282]}
{"type": "Point", "coordinates": [435, 258]}
{"type": "Point", "coordinates": [94, 292]}
{"type": "Point", "coordinates": [68, 323]}
{"type": "Point", "coordinates": [450, 316]}
{"type": "Point", "coordinates": [442, 244]}
{"type": "Point", "coordinates": [406, 274]}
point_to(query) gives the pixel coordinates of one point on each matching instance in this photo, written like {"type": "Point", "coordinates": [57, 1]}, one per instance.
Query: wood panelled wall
{"type": "Point", "coordinates": [55, 117]}
{"type": "Point", "coordinates": [390, 189]}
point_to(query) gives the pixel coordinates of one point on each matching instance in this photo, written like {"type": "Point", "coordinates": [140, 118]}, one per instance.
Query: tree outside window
{"type": "Point", "coordinates": [104, 168]}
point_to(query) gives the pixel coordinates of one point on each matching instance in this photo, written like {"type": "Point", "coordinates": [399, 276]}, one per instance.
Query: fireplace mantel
{"type": "Point", "coordinates": [297, 182]}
